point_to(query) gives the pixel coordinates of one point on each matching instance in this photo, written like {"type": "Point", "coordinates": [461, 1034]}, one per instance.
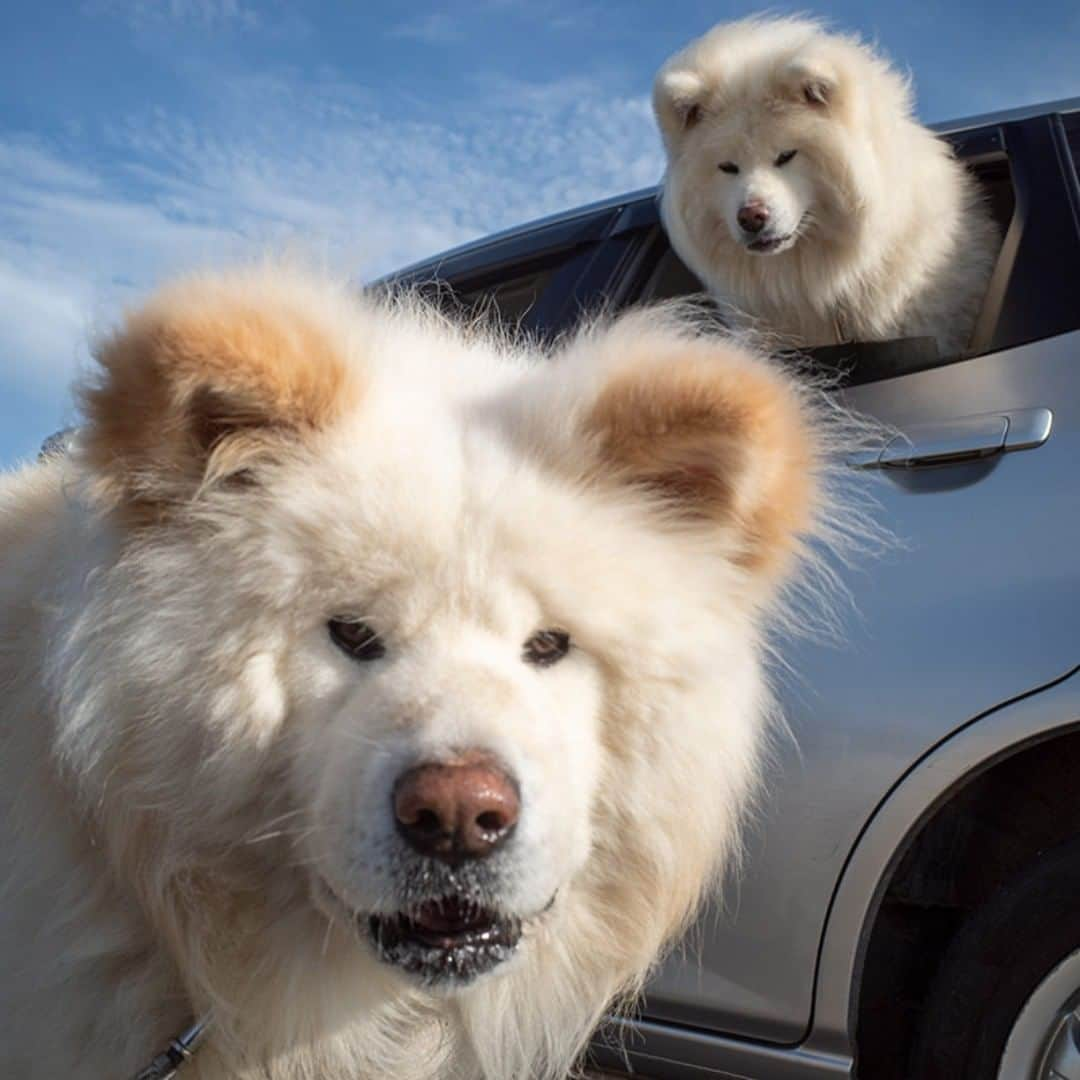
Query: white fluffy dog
{"type": "Point", "coordinates": [384, 693]}
{"type": "Point", "coordinates": [803, 193]}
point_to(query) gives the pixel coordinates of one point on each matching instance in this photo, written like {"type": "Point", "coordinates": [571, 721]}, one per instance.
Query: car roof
{"type": "Point", "coordinates": [944, 127]}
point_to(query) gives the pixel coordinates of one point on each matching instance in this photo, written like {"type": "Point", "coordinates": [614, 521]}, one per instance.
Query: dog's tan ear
{"type": "Point", "coordinates": [679, 97]}
{"type": "Point", "coordinates": [208, 378]}
{"type": "Point", "coordinates": [812, 81]}
{"type": "Point", "coordinates": [721, 438]}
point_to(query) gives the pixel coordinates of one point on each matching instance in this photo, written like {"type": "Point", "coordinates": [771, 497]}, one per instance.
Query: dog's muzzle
{"type": "Point", "coordinates": [455, 820]}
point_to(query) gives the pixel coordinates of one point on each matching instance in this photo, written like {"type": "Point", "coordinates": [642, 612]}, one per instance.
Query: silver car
{"type": "Point", "coordinates": [911, 903]}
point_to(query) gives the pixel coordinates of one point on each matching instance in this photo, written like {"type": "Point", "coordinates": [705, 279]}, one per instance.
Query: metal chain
{"type": "Point", "coordinates": [173, 1057]}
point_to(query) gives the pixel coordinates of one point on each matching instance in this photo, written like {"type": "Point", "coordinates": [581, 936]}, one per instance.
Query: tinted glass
{"type": "Point", "coordinates": [670, 278]}
{"type": "Point", "coordinates": [528, 295]}
{"type": "Point", "coordinates": [525, 278]}
{"type": "Point", "coordinates": [509, 300]}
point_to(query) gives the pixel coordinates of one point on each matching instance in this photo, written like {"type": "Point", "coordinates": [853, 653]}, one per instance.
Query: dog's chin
{"type": "Point", "coordinates": [771, 245]}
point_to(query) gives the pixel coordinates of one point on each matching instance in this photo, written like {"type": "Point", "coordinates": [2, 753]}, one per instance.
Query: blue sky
{"type": "Point", "coordinates": [138, 138]}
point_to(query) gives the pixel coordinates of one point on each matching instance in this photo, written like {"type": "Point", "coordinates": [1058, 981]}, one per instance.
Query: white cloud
{"type": "Point", "coordinates": [42, 324]}
{"type": "Point", "coordinates": [72, 249]}
{"type": "Point", "coordinates": [314, 166]}
{"type": "Point", "coordinates": [30, 163]}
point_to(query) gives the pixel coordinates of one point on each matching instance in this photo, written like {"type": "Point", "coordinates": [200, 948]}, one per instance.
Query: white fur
{"type": "Point", "coordinates": [880, 232]}
{"type": "Point", "coordinates": [187, 758]}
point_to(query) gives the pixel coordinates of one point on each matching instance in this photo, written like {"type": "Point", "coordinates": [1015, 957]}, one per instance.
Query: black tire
{"type": "Point", "coordinates": [991, 967]}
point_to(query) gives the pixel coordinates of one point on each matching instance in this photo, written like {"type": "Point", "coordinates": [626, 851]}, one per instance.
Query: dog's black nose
{"type": "Point", "coordinates": [752, 217]}
{"type": "Point", "coordinates": [457, 810]}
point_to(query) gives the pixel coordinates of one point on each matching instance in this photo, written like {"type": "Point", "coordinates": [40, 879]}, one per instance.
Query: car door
{"type": "Point", "coordinates": [975, 604]}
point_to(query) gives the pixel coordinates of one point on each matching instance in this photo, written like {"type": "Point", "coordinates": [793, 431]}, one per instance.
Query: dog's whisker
{"type": "Point", "coordinates": [276, 834]}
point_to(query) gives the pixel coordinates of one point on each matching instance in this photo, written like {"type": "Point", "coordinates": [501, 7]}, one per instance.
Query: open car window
{"type": "Point", "coordinates": [856, 362]}
{"type": "Point", "coordinates": [1026, 184]}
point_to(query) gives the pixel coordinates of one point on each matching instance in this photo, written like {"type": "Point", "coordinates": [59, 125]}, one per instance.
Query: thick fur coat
{"type": "Point", "coordinates": [198, 776]}
{"type": "Point", "coordinates": [806, 197]}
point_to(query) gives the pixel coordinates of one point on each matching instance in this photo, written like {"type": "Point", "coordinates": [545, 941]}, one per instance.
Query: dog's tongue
{"type": "Point", "coordinates": [449, 915]}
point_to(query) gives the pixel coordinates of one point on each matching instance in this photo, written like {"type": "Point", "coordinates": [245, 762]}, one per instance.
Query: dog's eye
{"type": "Point", "coordinates": [728, 167]}
{"type": "Point", "coordinates": [784, 158]}
{"type": "Point", "coordinates": [546, 647]}
{"type": "Point", "coordinates": [356, 638]}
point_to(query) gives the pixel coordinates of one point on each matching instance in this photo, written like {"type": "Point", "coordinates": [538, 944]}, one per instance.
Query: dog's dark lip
{"type": "Point", "coordinates": [451, 939]}
{"type": "Point", "coordinates": [445, 941]}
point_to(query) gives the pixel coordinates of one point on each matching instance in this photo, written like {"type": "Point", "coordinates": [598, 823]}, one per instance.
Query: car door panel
{"type": "Point", "coordinates": [974, 604]}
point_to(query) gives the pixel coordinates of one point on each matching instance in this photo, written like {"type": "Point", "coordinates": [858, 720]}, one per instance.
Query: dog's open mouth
{"type": "Point", "coordinates": [770, 244]}
{"type": "Point", "coordinates": [450, 939]}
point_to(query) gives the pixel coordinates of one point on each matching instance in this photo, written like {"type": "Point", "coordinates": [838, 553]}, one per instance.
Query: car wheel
{"type": "Point", "coordinates": [1005, 1002]}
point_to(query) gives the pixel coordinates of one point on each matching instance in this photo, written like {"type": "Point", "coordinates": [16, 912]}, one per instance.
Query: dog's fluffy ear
{"type": "Point", "coordinates": [679, 96]}
{"type": "Point", "coordinates": [721, 440]}
{"type": "Point", "coordinates": [812, 81]}
{"type": "Point", "coordinates": [210, 377]}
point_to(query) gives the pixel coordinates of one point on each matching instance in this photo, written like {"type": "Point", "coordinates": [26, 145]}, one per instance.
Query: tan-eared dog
{"type": "Point", "coordinates": [384, 692]}
{"type": "Point", "coordinates": [806, 197]}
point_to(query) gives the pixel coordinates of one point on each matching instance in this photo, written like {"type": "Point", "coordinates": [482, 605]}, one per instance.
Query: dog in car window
{"type": "Point", "coordinates": [803, 193]}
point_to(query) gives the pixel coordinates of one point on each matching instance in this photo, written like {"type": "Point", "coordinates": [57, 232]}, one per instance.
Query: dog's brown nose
{"type": "Point", "coordinates": [753, 216]}
{"type": "Point", "coordinates": [457, 810]}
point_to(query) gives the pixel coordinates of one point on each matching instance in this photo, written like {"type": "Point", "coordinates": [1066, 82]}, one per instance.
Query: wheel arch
{"type": "Point", "coordinates": [925, 794]}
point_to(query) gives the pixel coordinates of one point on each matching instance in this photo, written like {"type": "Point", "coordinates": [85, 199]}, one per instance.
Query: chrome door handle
{"type": "Point", "coordinates": [952, 442]}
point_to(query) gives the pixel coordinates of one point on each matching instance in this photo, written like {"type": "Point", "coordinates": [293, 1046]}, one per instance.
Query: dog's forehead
{"type": "Point", "coordinates": [461, 521]}
{"type": "Point", "coordinates": [749, 127]}
{"type": "Point", "coordinates": [408, 482]}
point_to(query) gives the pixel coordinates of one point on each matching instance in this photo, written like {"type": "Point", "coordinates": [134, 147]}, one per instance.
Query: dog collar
{"type": "Point", "coordinates": [175, 1055]}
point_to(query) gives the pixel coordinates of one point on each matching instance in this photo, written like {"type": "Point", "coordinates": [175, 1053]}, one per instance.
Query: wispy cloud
{"type": "Point", "coordinates": [319, 168]}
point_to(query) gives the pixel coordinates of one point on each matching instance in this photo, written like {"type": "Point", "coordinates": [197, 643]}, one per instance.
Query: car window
{"type": "Point", "coordinates": [511, 300]}
{"type": "Point", "coordinates": [1030, 191]}
{"type": "Point", "coordinates": [526, 279]}
{"type": "Point", "coordinates": [511, 297]}
{"type": "Point", "coordinates": [670, 278]}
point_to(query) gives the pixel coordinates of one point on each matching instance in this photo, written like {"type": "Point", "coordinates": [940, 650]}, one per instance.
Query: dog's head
{"type": "Point", "coordinates": [447, 652]}
{"type": "Point", "coordinates": [769, 125]}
